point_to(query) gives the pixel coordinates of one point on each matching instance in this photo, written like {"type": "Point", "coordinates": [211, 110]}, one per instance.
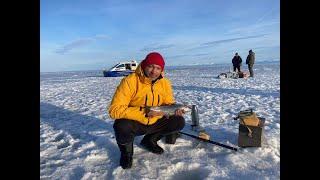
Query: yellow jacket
{"type": "Point", "coordinates": [135, 92]}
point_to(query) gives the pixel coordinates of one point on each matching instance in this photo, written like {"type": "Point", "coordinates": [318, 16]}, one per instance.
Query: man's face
{"type": "Point", "coordinates": [152, 71]}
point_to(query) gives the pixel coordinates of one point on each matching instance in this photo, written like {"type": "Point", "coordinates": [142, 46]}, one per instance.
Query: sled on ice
{"type": "Point", "coordinates": [233, 75]}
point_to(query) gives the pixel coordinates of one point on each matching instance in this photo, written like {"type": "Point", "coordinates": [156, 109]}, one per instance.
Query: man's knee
{"type": "Point", "coordinates": [122, 126]}
{"type": "Point", "coordinates": [123, 131]}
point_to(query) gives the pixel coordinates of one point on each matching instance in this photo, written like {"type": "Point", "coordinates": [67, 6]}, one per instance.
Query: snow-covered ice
{"type": "Point", "coordinates": [77, 138]}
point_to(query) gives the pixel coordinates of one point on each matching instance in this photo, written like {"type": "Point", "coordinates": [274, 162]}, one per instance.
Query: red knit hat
{"type": "Point", "coordinates": [153, 58]}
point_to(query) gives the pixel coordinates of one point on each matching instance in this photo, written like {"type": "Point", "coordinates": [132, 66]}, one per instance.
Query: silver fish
{"type": "Point", "coordinates": [170, 109]}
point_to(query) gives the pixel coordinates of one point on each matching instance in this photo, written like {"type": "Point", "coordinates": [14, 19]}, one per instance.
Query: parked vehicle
{"type": "Point", "coordinates": [121, 69]}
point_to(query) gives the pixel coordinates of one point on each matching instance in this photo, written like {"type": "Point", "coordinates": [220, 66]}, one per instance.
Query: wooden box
{"type": "Point", "coordinates": [255, 139]}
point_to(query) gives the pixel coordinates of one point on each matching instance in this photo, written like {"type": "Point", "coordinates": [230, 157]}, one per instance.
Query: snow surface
{"type": "Point", "coordinates": [77, 138]}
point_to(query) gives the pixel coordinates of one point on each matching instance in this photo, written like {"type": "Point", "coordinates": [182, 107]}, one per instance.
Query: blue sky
{"type": "Point", "coordinates": [95, 34]}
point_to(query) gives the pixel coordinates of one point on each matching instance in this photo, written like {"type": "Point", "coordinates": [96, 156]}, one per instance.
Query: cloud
{"type": "Point", "coordinates": [178, 56]}
{"type": "Point", "coordinates": [188, 55]}
{"type": "Point", "coordinates": [257, 27]}
{"type": "Point", "coordinates": [200, 54]}
{"type": "Point", "coordinates": [212, 43]}
{"type": "Point", "coordinates": [74, 44]}
{"type": "Point", "coordinates": [159, 47]}
{"type": "Point", "coordinates": [101, 36]}
{"type": "Point", "coordinates": [79, 43]}
{"type": "Point", "coordinates": [265, 47]}
{"type": "Point", "coordinates": [271, 10]}
{"type": "Point", "coordinates": [222, 41]}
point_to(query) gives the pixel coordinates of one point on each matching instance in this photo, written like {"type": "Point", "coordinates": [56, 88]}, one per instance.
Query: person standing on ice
{"type": "Point", "coordinates": [250, 61]}
{"type": "Point", "coordinates": [236, 62]}
{"type": "Point", "coordinates": [147, 86]}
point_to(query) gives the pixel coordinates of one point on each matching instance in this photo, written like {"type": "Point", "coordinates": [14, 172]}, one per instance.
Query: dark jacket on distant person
{"type": "Point", "coordinates": [250, 58]}
{"type": "Point", "coordinates": [236, 61]}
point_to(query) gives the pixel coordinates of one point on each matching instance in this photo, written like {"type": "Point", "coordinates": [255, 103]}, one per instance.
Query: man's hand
{"type": "Point", "coordinates": [179, 112]}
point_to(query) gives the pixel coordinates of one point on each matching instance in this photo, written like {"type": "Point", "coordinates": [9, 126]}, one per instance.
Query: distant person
{"type": "Point", "coordinates": [250, 61]}
{"type": "Point", "coordinates": [236, 61]}
{"type": "Point", "coordinates": [147, 86]}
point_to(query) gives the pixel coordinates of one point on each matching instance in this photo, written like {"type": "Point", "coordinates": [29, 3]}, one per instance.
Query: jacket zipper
{"type": "Point", "coordinates": [145, 105]}
{"type": "Point", "coordinates": [158, 100]}
{"type": "Point", "coordinates": [145, 101]}
{"type": "Point", "coordinates": [152, 100]}
{"type": "Point", "coordinates": [152, 94]}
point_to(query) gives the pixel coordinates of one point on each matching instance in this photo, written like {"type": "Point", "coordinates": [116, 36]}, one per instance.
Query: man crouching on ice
{"type": "Point", "coordinates": [145, 87]}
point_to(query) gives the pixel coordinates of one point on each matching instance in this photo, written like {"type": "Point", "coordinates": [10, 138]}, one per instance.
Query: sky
{"type": "Point", "coordinates": [96, 34]}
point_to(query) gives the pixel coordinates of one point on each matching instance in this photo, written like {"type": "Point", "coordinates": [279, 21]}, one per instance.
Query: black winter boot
{"type": "Point", "coordinates": [149, 141]}
{"type": "Point", "coordinates": [126, 155]}
{"type": "Point", "coordinates": [171, 138]}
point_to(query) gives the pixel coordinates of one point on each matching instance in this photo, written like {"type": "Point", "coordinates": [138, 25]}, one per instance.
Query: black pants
{"type": "Point", "coordinates": [126, 130]}
{"type": "Point", "coordinates": [250, 67]}
{"type": "Point", "coordinates": [236, 67]}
